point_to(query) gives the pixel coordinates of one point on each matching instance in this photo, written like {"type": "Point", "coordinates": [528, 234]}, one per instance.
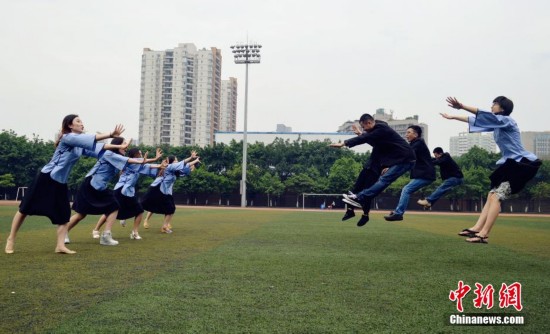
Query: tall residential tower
{"type": "Point", "coordinates": [181, 92]}
{"type": "Point", "coordinates": [228, 112]}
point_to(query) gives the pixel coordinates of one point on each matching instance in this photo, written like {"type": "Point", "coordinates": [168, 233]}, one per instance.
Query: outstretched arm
{"type": "Point", "coordinates": [455, 117]}
{"type": "Point", "coordinates": [122, 146]}
{"type": "Point", "coordinates": [193, 163]}
{"type": "Point", "coordinates": [453, 103]}
{"type": "Point", "coordinates": [119, 129]}
{"type": "Point", "coordinates": [158, 156]}
{"type": "Point", "coordinates": [192, 157]}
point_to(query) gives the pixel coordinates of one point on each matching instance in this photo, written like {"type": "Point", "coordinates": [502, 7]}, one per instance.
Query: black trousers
{"type": "Point", "coordinates": [366, 178]}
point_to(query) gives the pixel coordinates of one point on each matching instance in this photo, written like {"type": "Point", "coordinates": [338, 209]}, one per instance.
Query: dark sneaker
{"type": "Point", "coordinates": [364, 219]}
{"type": "Point", "coordinates": [393, 217]}
{"type": "Point", "coordinates": [349, 214]}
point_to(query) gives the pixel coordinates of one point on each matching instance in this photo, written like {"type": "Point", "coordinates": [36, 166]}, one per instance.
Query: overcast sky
{"type": "Point", "coordinates": [323, 62]}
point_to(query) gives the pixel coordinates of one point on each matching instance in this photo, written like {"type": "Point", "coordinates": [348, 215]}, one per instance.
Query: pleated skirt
{"type": "Point", "coordinates": [156, 202]}
{"type": "Point", "coordinates": [47, 197]}
{"type": "Point", "coordinates": [90, 201]}
{"type": "Point", "coordinates": [129, 206]}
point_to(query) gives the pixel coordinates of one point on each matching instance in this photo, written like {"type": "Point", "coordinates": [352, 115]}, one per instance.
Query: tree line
{"type": "Point", "coordinates": [282, 167]}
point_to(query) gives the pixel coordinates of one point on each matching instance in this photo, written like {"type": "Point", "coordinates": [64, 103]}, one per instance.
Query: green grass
{"type": "Point", "coordinates": [255, 271]}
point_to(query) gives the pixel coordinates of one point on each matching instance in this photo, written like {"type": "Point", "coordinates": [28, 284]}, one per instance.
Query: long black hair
{"type": "Point", "coordinates": [67, 121]}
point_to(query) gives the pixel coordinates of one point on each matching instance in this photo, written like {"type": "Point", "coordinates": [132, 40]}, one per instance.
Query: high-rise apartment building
{"type": "Point", "coordinates": [180, 100]}
{"type": "Point", "coordinates": [228, 112]}
{"type": "Point", "coordinates": [537, 142]}
{"type": "Point", "coordinates": [465, 141]}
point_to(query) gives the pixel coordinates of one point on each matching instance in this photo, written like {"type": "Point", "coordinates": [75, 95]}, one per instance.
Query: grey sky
{"type": "Point", "coordinates": [323, 62]}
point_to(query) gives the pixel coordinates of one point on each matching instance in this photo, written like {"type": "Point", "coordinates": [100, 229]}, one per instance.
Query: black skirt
{"type": "Point", "coordinates": [90, 201]}
{"type": "Point", "coordinates": [47, 197]}
{"type": "Point", "coordinates": [129, 206]}
{"type": "Point", "coordinates": [516, 173]}
{"type": "Point", "coordinates": [156, 202]}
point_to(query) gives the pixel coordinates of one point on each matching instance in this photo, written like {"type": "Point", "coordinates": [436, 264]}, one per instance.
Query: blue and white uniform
{"type": "Point", "coordinates": [125, 189]}
{"type": "Point", "coordinates": [93, 197]}
{"type": "Point", "coordinates": [48, 195]}
{"type": "Point", "coordinates": [158, 198]}
{"type": "Point", "coordinates": [517, 165]}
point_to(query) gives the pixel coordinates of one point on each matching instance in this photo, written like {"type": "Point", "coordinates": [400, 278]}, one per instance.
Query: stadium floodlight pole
{"type": "Point", "coordinates": [248, 53]}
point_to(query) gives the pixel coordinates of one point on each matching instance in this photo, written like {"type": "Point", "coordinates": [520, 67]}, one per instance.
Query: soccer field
{"type": "Point", "coordinates": [272, 271]}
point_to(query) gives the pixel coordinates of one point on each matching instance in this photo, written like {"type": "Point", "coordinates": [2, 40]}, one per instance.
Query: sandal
{"type": "Point", "coordinates": [476, 239]}
{"type": "Point", "coordinates": [468, 233]}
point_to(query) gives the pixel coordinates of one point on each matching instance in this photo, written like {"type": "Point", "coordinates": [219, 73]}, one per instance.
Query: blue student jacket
{"type": "Point", "coordinates": [68, 151]}
{"type": "Point", "coordinates": [130, 176]}
{"type": "Point", "coordinates": [167, 180]}
{"type": "Point", "coordinates": [506, 133]}
{"type": "Point", "coordinates": [105, 168]}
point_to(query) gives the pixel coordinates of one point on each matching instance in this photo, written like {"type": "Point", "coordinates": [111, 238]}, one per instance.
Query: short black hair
{"type": "Point", "coordinates": [365, 118]}
{"type": "Point", "coordinates": [438, 150]}
{"type": "Point", "coordinates": [416, 129]}
{"type": "Point", "coordinates": [506, 104]}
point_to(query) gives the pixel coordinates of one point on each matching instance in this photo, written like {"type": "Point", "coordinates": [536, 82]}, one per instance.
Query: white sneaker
{"type": "Point", "coordinates": [67, 240]}
{"type": "Point", "coordinates": [95, 234]}
{"type": "Point", "coordinates": [123, 223]}
{"type": "Point", "coordinates": [352, 202]}
{"type": "Point", "coordinates": [107, 239]}
{"type": "Point", "coordinates": [135, 236]}
{"type": "Point", "coordinates": [424, 203]}
{"type": "Point", "coordinates": [351, 196]}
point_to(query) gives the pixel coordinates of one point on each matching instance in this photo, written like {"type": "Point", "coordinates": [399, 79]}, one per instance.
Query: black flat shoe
{"type": "Point", "coordinates": [468, 233]}
{"type": "Point", "coordinates": [393, 217]}
{"type": "Point", "coordinates": [476, 239]}
{"type": "Point", "coordinates": [349, 214]}
{"type": "Point", "coordinates": [364, 219]}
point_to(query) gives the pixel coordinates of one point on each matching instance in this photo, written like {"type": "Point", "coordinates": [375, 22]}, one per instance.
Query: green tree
{"type": "Point", "coordinates": [539, 192]}
{"type": "Point", "coordinates": [79, 171]}
{"type": "Point", "coordinates": [7, 181]}
{"type": "Point", "coordinates": [395, 188]}
{"type": "Point", "coordinates": [200, 181]}
{"type": "Point", "coordinates": [299, 184]}
{"type": "Point", "coordinates": [476, 183]}
{"type": "Point", "coordinates": [477, 157]}
{"type": "Point", "coordinates": [23, 158]}
{"type": "Point", "coordinates": [343, 174]}
{"type": "Point", "coordinates": [271, 185]}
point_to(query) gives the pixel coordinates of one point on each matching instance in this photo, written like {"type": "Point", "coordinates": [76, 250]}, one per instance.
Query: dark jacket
{"type": "Point", "coordinates": [447, 167]}
{"type": "Point", "coordinates": [392, 148]}
{"type": "Point", "coordinates": [423, 167]}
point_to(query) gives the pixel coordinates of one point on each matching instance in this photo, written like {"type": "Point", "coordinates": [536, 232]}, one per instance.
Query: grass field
{"type": "Point", "coordinates": [266, 271]}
